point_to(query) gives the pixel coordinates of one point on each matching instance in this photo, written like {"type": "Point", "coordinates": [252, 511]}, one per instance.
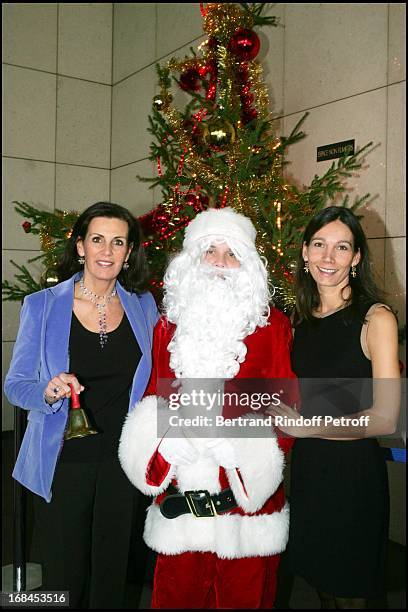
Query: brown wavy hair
{"type": "Point", "coordinates": [135, 278]}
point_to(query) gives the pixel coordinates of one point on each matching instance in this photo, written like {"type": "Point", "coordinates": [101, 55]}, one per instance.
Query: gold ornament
{"type": "Point", "coordinates": [218, 132]}
{"type": "Point", "coordinates": [162, 101]}
{"type": "Point", "coordinates": [158, 102]}
{"type": "Point", "coordinates": [275, 144]}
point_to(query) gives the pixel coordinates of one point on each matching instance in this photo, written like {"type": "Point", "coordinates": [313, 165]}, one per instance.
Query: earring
{"type": "Point", "coordinates": [353, 271]}
{"type": "Point", "coordinates": [306, 267]}
{"type": "Point", "coordinates": [125, 265]}
{"type": "Point", "coordinates": [81, 261]}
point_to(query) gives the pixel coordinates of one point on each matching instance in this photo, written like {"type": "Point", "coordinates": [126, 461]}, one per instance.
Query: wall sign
{"type": "Point", "coordinates": [335, 150]}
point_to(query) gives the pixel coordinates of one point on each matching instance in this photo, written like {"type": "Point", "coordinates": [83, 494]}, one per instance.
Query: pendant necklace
{"type": "Point", "coordinates": [100, 301]}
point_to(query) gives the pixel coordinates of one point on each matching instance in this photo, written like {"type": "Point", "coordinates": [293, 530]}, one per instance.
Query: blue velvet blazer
{"type": "Point", "coordinates": [41, 352]}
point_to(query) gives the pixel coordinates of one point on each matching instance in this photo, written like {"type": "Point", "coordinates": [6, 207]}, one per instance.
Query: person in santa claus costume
{"type": "Point", "coordinates": [219, 520]}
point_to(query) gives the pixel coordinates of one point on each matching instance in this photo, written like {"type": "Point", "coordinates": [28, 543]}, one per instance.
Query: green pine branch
{"type": "Point", "coordinates": [56, 226]}
{"type": "Point", "coordinates": [332, 182]}
{"type": "Point", "coordinates": [255, 9]}
{"type": "Point", "coordinates": [25, 285]}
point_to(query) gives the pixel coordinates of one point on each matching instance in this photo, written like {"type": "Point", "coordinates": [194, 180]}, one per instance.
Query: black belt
{"type": "Point", "coordinates": [199, 503]}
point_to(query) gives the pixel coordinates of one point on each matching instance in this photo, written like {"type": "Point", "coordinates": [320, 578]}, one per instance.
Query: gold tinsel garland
{"type": "Point", "coordinates": [260, 90]}
{"type": "Point", "coordinates": [245, 203]}
{"type": "Point", "coordinates": [221, 20]}
{"type": "Point", "coordinates": [51, 233]}
{"type": "Point", "coordinates": [47, 242]}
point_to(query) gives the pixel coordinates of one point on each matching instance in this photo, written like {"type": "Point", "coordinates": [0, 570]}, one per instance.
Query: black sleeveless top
{"type": "Point", "coordinates": [107, 376]}
{"type": "Point", "coordinates": [335, 375]}
{"type": "Point", "coordinates": [338, 531]}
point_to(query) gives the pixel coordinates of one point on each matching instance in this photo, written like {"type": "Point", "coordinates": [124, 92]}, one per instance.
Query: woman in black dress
{"type": "Point", "coordinates": [344, 338]}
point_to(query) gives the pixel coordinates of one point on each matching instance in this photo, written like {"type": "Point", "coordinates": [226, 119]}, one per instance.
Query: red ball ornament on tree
{"type": "Point", "coordinates": [26, 227]}
{"type": "Point", "coordinates": [190, 199]}
{"type": "Point", "coordinates": [244, 44]}
{"type": "Point", "coordinates": [190, 80]}
{"type": "Point", "coordinates": [203, 202]}
{"type": "Point", "coordinates": [212, 43]}
{"type": "Point", "coordinates": [247, 99]}
{"type": "Point", "coordinates": [209, 71]}
{"type": "Point", "coordinates": [242, 73]}
{"type": "Point", "coordinates": [198, 201]}
{"type": "Point", "coordinates": [249, 114]}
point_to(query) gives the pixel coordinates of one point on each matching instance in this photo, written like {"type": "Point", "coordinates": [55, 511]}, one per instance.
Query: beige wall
{"type": "Point", "coordinates": [78, 86]}
{"type": "Point", "coordinates": [57, 76]}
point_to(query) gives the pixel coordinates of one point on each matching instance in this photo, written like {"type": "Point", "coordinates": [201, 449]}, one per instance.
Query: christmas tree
{"type": "Point", "coordinates": [220, 150]}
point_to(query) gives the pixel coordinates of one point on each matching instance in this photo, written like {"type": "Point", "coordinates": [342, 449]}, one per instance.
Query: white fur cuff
{"type": "Point", "coordinates": [261, 464]}
{"type": "Point", "coordinates": [138, 442]}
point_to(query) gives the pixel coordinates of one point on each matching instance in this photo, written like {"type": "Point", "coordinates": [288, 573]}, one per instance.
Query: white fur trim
{"type": "Point", "coordinates": [138, 443]}
{"type": "Point", "coordinates": [223, 222]}
{"type": "Point", "coordinates": [228, 536]}
{"type": "Point", "coordinates": [261, 464]}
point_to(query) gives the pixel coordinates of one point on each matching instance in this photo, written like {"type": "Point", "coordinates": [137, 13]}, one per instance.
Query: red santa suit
{"type": "Point", "coordinates": [228, 560]}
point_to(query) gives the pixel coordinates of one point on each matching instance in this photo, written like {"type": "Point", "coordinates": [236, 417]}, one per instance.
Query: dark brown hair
{"type": "Point", "coordinates": [363, 287]}
{"type": "Point", "coordinates": [133, 279]}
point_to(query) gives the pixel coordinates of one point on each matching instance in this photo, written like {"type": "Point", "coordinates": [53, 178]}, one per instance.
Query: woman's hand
{"type": "Point", "coordinates": [289, 421]}
{"type": "Point", "coordinates": [58, 387]}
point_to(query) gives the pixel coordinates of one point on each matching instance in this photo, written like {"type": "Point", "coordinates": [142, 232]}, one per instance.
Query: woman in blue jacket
{"type": "Point", "coordinates": [93, 331]}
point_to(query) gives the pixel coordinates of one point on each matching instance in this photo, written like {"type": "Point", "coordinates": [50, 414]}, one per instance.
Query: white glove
{"type": "Point", "coordinates": [178, 451]}
{"type": "Point", "coordinates": [223, 452]}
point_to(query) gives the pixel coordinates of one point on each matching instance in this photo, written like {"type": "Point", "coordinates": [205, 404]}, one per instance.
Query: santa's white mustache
{"type": "Point", "coordinates": [218, 272]}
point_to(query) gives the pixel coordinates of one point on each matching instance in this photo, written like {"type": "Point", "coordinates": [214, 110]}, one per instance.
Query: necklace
{"type": "Point", "coordinates": [100, 301]}
{"type": "Point", "coordinates": [330, 312]}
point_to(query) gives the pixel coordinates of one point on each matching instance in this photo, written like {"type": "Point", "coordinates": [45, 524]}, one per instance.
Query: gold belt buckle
{"type": "Point", "coordinates": [191, 497]}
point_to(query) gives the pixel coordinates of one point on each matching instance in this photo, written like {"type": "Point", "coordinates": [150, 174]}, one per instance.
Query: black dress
{"type": "Point", "coordinates": [339, 489]}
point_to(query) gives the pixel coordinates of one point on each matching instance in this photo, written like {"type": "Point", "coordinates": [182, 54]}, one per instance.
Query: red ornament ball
{"type": "Point", "coordinates": [244, 44]}
{"type": "Point", "coordinates": [190, 80]}
{"type": "Point", "coordinates": [249, 114]}
{"type": "Point", "coordinates": [247, 100]}
{"type": "Point", "coordinates": [242, 73]}
{"type": "Point", "coordinates": [212, 42]}
{"type": "Point", "coordinates": [210, 70]}
{"type": "Point", "coordinates": [26, 227]}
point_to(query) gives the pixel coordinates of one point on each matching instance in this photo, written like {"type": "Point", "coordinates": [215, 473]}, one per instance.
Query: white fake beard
{"type": "Point", "coordinates": [215, 313]}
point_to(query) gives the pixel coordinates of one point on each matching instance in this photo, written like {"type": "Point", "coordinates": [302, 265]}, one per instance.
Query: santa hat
{"type": "Point", "coordinates": [222, 223]}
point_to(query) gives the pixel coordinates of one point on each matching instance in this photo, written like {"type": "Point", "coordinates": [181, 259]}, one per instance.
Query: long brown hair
{"type": "Point", "coordinates": [363, 287]}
